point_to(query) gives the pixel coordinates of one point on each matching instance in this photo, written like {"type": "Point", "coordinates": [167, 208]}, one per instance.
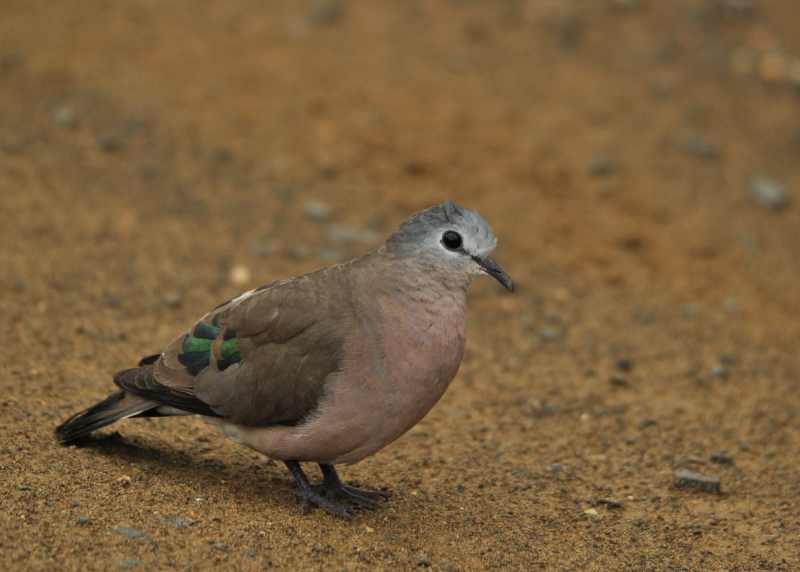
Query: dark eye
{"type": "Point", "coordinates": [451, 240]}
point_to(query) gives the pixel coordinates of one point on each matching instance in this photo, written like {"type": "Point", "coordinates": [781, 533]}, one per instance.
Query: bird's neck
{"type": "Point", "coordinates": [415, 279]}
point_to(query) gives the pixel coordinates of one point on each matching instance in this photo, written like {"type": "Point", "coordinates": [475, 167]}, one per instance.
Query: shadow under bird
{"type": "Point", "coordinates": [328, 367]}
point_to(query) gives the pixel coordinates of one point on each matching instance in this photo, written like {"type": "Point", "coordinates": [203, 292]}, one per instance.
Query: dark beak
{"type": "Point", "coordinates": [494, 270]}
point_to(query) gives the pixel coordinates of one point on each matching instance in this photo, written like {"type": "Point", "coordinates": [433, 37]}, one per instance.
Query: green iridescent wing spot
{"type": "Point", "coordinates": [197, 347]}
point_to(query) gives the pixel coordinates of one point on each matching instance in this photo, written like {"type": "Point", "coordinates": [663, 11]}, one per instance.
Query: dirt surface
{"type": "Point", "coordinates": [157, 158]}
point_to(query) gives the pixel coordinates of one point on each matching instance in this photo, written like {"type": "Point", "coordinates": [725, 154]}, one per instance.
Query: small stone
{"type": "Point", "coordinates": [317, 210]}
{"type": "Point", "coordinates": [423, 560]}
{"type": "Point", "coordinates": [325, 12]}
{"type": "Point", "coordinates": [696, 145]}
{"type": "Point", "coordinates": [720, 371]}
{"type": "Point", "coordinates": [624, 364]}
{"type": "Point", "coordinates": [83, 520]}
{"type": "Point", "coordinates": [24, 487]}
{"type": "Point", "coordinates": [592, 512]}
{"type": "Point", "coordinates": [221, 546]}
{"type": "Point", "coordinates": [298, 251]}
{"type": "Point", "coordinates": [65, 116]}
{"type": "Point", "coordinates": [109, 143]}
{"type": "Point", "coordinates": [179, 521]}
{"type": "Point", "coordinates": [129, 563]}
{"type": "Point", "coordinates": [685, 479]}
{"type": "Point", "coordinates": [239, 275]}
{"type": "Point", "coordinates": [618, 381]}
{"type": "Point", "coordinates": [172, 299]}
{"type": "Point", "coordinates": [602, 166]}
{"type": "Point", "coordinates": [548, 333]}
{"type": "Point", "coordinates": [769, 193]}
{"type": "Point", "coordinates": [555, 468]}
{"type": "Point", "coordinates": [129, 531]}
{"type": "Point", "coordinates": [610, 503]}
{"type": "Point", "coordinates": [721, 458]}
{"type": "Point", "coordinates": [124, 481]}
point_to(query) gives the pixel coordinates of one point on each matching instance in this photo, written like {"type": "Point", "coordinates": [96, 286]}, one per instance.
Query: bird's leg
{"type": "Point", "coordinates": [310, 493]}
{"type": "Point", "coordinates": [332, 486]}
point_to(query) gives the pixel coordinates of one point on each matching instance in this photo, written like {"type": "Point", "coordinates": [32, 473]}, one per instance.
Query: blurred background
{"type": "Point", "coordinates": [637, 159]}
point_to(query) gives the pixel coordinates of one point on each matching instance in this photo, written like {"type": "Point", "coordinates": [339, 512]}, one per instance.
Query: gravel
{"type": "Point", "coordinates": [686, 479]}
{"type": "Point", "coordinates": [769, 193]}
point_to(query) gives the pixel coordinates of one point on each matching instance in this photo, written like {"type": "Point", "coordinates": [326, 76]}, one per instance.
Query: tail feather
{"type": "Point", "coordinates": [119, 405]}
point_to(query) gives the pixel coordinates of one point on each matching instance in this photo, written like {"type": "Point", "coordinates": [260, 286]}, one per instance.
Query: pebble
{"type": "Point", "coordinates": [720, 371]}
{"type": "Point", "coordinates": [124, 481]}
{"type": "Point", "coordinates": [129, 563]}
{"type": "Point", "coordinates": [555, 468]}
{"type": "Point", "coordinates": [695, 144]}
{"type": "Point", "coordinates": [179, 521]}
{"type": "Point", "coordinates": [592, 512]}
{"type": "Point", "coordinates": [769, 193]}
{"type": "Point", "coordinates": [721, 458]}
{"type": "Point", "coordinates": [221, 546]}
{"type": "Point", "coordinates": [83, 520]}
{"type": "Point", "coordinates": [239, 275]}
{"type": "Point", "coordinates": [423, 560]}
{"type": "Point", "coordinates": [618, 381]}
{"type": "Point", "coordinates": [317, 210]}
{"type": "Point", "coordinates": [129, 531]}
{"type": "Point", "coordinates": [685, 479]}
{"type": "Point", "coordinates": [325, 12]}
{"type": "Point", "coordinates": [172, 299]}
{"type": "Point", "coordinates": [109, 143]}
{"type": "Point", "coordinates": [298, 251]}
{"type": "Point", "coordinates": [65, 116]}
{"type": "Point", "coordinates": [547, 333]}
{"type": "Point", "coordinates": [610, 503]}
{"type": "Point", "coordinates": [602, 166]}
{"type": "Point", "coordinates": [624, 364]}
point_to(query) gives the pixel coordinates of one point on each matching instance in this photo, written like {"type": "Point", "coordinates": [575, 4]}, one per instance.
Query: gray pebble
{"type": "Point", "coordinates": [618, 381]}
{"type": "Point", "coordinates": [317, 210]}
{"type": "Point", "coordinates": [769, 193]}
{"type": "Point", "coordinates": [721, 458]}
{"type": "Point", "coordinates": [547, 333]}
{"type": "Point", "coordinates": [179, 521]}
{"type": "Point", "coordinates": [325, 11]}
{"type": "Point", "coordinates": [65, 116]}
{"type": "Point", "coordinates": [602, 166]}
{"type": "Point", "coordinates": [610, 503]}
{"type": "Point", "coordinates": [172, 299]}
{"type": "Point", "coordinates": [83, 520]}
{"type": "Point", "coordinates": [129, 563]}
{"type": "Point", "coordinates": [129, 531]}
{"type": "Point", "coordinates": [298, 251]}
{"type": "Point", "coordinates": [109, 143]}
{"type": "Point", "coordinates": [695, 144]}
{"type": "Point", "coordinates": [720, 371]}
{"type": "Point", "coordinates": [686, 479]}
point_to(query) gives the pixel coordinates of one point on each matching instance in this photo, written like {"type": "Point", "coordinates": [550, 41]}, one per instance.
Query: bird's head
{"type": "Point", "coordinates": [452, 238]}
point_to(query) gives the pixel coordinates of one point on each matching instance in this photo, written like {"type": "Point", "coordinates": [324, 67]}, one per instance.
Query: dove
{"type": "Point", "coordinates": [328, 367]}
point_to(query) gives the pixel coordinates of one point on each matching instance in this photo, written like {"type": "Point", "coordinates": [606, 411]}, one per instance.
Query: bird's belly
{"type": "Point", "coordinates": [382, 390]}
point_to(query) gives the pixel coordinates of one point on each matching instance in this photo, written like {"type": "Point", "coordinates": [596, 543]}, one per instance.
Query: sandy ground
{"type": "Point", "coordinates": [158, 157]}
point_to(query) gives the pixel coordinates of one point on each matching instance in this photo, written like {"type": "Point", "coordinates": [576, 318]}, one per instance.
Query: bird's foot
{"type": "Point", "coordinates": [311, 497]}
{"type": "Point", "coordinates": [356, 497]}
{"type": "Point", "coordinates": [332, 494]}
